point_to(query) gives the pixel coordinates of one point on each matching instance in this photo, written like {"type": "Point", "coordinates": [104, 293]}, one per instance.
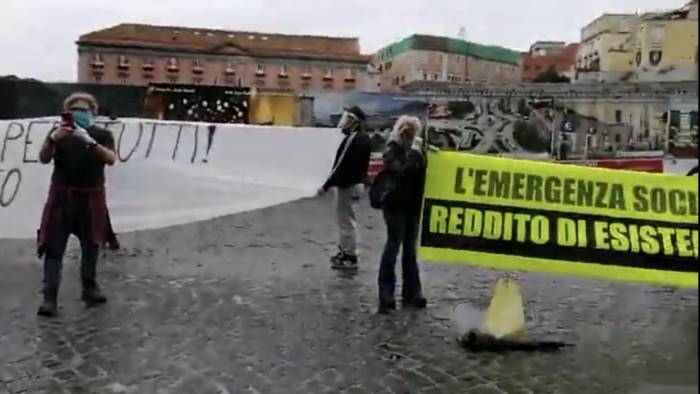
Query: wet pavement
{"type": "Point", "coordinates": [248, 304]}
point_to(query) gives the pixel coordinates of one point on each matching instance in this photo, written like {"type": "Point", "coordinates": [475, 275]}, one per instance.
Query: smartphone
{"type": "Point", "coordinates": [67, 120]}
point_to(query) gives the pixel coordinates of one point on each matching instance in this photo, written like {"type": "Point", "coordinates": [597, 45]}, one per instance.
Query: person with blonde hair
{"type": "Point", "coordinates": [404, 160]}
{"type": "Point", "coordinates": [76, 203]}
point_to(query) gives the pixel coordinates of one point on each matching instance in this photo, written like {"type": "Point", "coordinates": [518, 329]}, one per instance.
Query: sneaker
{"type": "Point", "coordinates": [337, 257]}
{"type": "Point", "coordinates": [346, 262]}
{"type": "Point", "coordinates": [415, 303]}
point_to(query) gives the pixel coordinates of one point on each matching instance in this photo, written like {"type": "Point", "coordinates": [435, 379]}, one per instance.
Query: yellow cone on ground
{"type": "Point", "coordinates": [505, 317]}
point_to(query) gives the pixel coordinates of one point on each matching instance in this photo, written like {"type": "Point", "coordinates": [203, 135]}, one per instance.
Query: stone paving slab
{"type": "Point", "coordinates": [248, 304]}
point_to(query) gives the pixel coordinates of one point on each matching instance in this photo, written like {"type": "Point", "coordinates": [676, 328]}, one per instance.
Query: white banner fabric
{"type": "Point", "coordinates": [165, 176]}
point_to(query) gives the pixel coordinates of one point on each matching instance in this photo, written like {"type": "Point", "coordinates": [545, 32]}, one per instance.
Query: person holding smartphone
{"type": "Point", "coordinates": [77, 202]}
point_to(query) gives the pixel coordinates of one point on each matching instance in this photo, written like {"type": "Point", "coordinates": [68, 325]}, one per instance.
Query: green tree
{"type": "Point", "coordinates": [551, 76]}
{"type": "Point", "coordinates": [529, 137]}
{"type": "Point", "coordinates": [523, 109]}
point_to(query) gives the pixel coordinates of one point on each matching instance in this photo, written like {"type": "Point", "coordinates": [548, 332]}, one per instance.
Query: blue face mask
{"type": "Point", "coordinates": [83, 119]}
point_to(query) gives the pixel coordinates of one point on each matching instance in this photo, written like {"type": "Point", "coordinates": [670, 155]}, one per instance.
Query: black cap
{"type": "Point", "coordinates": [355, 110]}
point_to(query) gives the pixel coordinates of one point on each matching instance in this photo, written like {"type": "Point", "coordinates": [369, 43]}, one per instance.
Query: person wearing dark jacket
{"type": "Point", "coordinates": [348, 176]}
{"type": "Point", "coordinates": [77, 202]}
{"type": "Point", "coordinates": [404, 159]}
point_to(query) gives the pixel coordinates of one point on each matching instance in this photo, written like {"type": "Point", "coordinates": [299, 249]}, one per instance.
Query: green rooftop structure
{"type": "Point", "coordinates": [454, 46]}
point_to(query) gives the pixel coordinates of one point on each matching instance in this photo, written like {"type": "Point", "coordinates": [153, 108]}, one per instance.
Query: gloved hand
{"type": "Point", "coordinates": [417, 143]}
{"type": "Point", "coordinates": [84, 135]}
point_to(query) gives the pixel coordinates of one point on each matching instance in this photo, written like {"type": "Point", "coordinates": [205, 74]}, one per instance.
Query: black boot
{"type": "Point", "coordinates": [386, 307]}
{"type": "Point", "coordinates": [418, 302]}
{"type": "Point", "coordinates": [92, 294]}
{"type": "Point", "coordinates": [49, 307]}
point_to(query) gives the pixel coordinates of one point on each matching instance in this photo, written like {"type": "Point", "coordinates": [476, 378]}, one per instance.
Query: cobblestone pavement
{"type": "Point", "coordinates": [248, 304]}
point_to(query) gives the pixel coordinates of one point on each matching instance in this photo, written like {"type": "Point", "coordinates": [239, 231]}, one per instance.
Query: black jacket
{"type": "Point", "coordinates": [408, 167]}
{"type": "Point", "coordinates": [354, 166]}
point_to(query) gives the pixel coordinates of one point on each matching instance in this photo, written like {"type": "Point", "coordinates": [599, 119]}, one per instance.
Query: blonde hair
{"type": "Point", "coordinates": [80, 96]}
{"type": "Point", "coordinates": [406, 121]}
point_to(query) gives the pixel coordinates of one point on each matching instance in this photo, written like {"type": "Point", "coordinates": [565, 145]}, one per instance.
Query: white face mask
{"type": "Point", "coordinates": [347, 120]}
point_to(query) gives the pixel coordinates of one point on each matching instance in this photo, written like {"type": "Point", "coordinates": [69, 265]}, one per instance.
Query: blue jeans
{"type": "Point", "coordinates": [402, 232]}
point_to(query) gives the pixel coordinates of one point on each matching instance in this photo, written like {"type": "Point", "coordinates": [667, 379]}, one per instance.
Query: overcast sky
{"type": "Point", "coordinates": [37, 37]}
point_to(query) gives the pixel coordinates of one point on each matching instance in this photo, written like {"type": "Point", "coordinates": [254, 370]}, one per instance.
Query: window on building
{"type": "Point", "coordinates": [328, 74]}
{"type": "Point", "coordinates": [172, 64]}
{"type": "Point", "coordinates": [123, 61]}
{"type": "Point", "coordinates": [350, 75]}
{"type": "Point", "coordinates": [148, 64]}
{"type": "Point", "coordinates": [306, 74]}
{"type": "Point", "coordinates": [197, 66]}
{"type": "Point", "coordinates": [260, 70]}
{"type": "Point", "coordinates": [676, 119]}
{"type": "Point", "coordinates": [230, 69]}
{"type": "Point", "coordinates": [618, 138]}
{"type": "Point", "coordinates": [436, 77]}
{"type": "Point", "coordinates": [97, 61]}
{"type": "Point", "coordinates": [403, 78]}
{"type": "Point", "coordinates": [618, 116]}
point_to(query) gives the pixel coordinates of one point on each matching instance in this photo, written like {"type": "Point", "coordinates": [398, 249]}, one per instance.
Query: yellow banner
{"type": "Point", "coordinates": [561, 219]}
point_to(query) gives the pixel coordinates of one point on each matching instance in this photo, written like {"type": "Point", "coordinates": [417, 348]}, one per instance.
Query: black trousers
{"type": "Point", "coordinates": [53, 261]}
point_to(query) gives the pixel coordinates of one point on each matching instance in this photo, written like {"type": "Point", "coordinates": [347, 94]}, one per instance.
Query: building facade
{"type": "Point", "coordinates": [601, 57]}
{"type": "Point", "coordinates": [544, 55]}
{"type": "Point", "coordinates": [658, 46]}
{"type": "Point", "coordinates": [430, 58]}
{"type": "Point", "coordinates": [665, 45]}
{"type": "Point", "coordinates": [132, 54]}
